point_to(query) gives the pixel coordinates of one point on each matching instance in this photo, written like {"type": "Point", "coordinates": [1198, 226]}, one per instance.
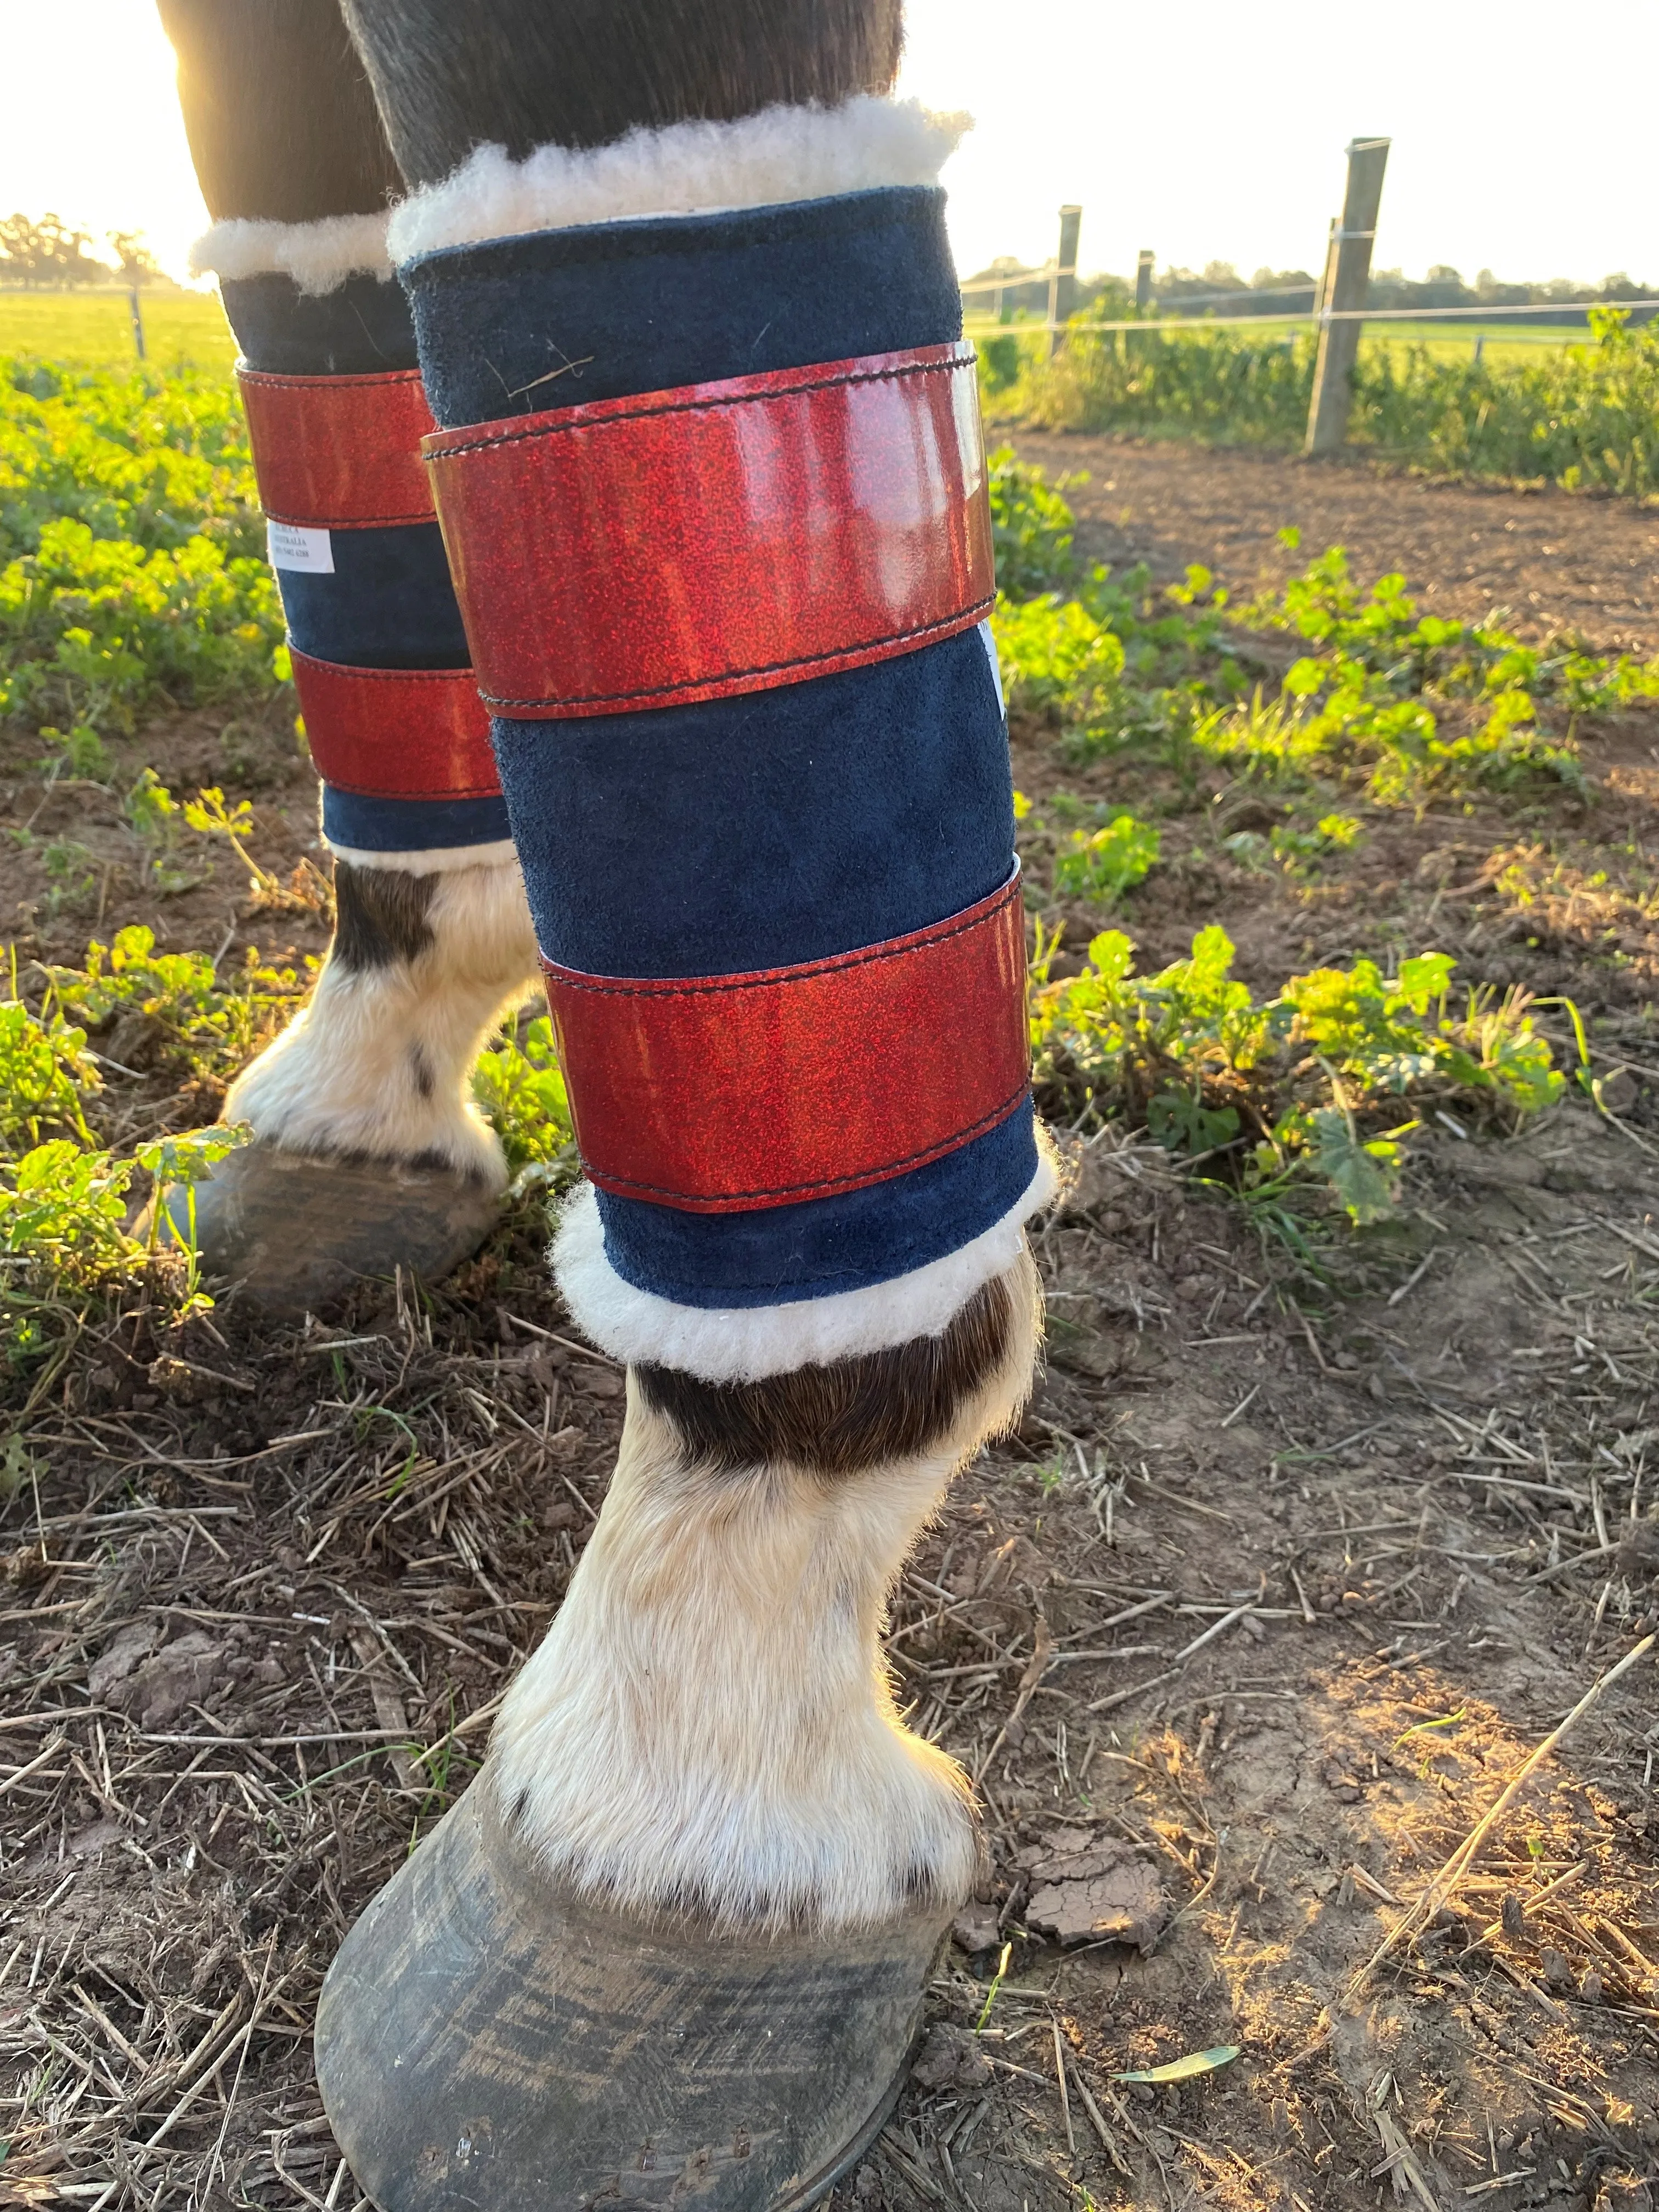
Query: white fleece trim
{"type": "Point", "coordinates": [435, 860]}
{"type": "Point", "coordinates": [687, 168]}
{"type": "Point", "coordinates": [743, 1344]}
{"type": "Point", "coordinates": [317, 256]}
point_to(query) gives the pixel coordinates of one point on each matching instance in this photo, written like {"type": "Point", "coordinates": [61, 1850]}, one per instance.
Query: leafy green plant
{"type": "Point", "coordinates": [1297, 852]}
{"type": "Point", "coordinates": [1115, 663]}
{"type": "Point", "coordinates": [208, 814]}
{"type": "Point", "coordinates": [1215, 384]}
{"type": "Point", "coordinates": [44, 1075]}
{"type": "Point", "coordinates": [1583, 416]}
{"type": "Point", "coordinates": [1031, 527]}
{"type": "Point", "coordinates": [1321, 1082]}
{"type": "Point", "coordinates": [211, 1027]}
{"type": "Point", "coordinates": [131, 569]}
{"type": "Point", "coordinates": [999, 362]}
{"type": "Point", "coordinates": [71, 868]}
{"type": "Point", "coordinates": [61, 1212]}
{"type": "Point", "coordinates": [1102, 864]}
{"type": "Point", "coordinates": [520, 1087]}
{"type": "Point", "coordinates": [79, 754]}
{"type": "Point", "coordinates": [154, 812]}
{"type": "Point", "coordinates": [177, 1164]}
{"type": "Point", "coordinates": [1405, 706]}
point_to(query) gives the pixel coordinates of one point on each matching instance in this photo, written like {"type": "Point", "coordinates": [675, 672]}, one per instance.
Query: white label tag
{"type": "Point", "coordinates": [990, 645]}
{"type": "Point", "coordinates": [292, 546]}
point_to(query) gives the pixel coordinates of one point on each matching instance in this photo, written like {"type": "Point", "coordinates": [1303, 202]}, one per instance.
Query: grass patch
{"type": "Point", "coordinates": [1386, 700]}
{"type": "Point", "coordinates": [1319, 1085]}
{"type": "Point", "coordinates": [132, 570]}
{"type": "Point", "coordinates": [1316, 1087]}
{"type": "Point", "coordinates": [1583, 417]}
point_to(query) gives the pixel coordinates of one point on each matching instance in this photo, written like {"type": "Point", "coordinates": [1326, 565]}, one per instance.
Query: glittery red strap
{"type": "Point", "coordinates": [720, 539]}
{"type": "Point", "coordinates": [338, 452]}
{"type": "Point", "coordinates": [724, 1093]}
{"type": "Point", "coordinates": [395, 732]}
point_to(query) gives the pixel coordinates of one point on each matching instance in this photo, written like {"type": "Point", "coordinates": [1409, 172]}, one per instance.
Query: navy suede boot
{"type": "Point", "coordinates": [714, 493]}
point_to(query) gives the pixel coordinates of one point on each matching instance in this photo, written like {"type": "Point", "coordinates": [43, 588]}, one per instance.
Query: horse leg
{"type": "Point", "coordinates": [710, 475]}
{"type": "Point", "coordinates": [370, 1153]}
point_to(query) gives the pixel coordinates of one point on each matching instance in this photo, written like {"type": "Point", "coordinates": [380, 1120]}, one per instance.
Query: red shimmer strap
{"type": "Point", "coordinates": [725, 1093]}
{"type": "Point", "coordinates": [396, 733]}
{"type": "Point", "coordinates": [338, 452]}
{"type": "Point", "coordinates": [720, 539]}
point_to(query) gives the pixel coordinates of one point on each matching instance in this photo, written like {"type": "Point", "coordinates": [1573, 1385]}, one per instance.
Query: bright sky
{"type": "Point", "coordinates": [1208, 131]}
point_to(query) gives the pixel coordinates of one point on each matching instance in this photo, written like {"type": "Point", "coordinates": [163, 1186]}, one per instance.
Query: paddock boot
{"type": "Point", "coordinates": [369, 1155]}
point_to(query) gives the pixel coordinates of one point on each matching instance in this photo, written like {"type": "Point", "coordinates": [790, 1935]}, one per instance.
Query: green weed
{"type": "Point", "coordinates": [62, 1217]}
{"type": "Point", "coordinates": [44, 1075]}
{"type": "Point", "coordinates": [520, 1088]}
{"type": "Point", "coordinates": [79, 754]}
{"type": "Point", "coordinates": [1403, 706]}
{"type": "Point", "coordinates": [1031, 527]}
{"type": "Point", "coordinates": [208, 814]}
{"type": "Point", "coordinates": [1102, 864]}
{"type": "Point", "coordinates": [1222, 385]}
{"type": "Point", "coordinates": [197, 1022]}
{"type": "Point", "coordinates": [1322, 1083]}
{"type": "Point", "coordinates": [131, 569]}
{"type": "Point", "coordinates": [1583, 416]}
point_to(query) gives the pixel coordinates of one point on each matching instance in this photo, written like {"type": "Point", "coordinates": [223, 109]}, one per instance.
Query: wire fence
{"type": "Point", "coordinates": [1317, 316]}
{"type": "Point", "coordinates": [129, 295]}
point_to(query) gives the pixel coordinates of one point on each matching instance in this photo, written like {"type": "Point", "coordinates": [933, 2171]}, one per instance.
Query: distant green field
{"type": "Point", "coordinates": [181, 329]}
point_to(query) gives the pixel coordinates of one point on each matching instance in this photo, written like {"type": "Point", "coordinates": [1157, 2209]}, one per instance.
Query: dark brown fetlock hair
{"type": "Point", "coordinates": [850, 1415]}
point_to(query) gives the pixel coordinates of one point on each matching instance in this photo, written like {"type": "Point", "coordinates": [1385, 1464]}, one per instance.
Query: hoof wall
{"type": "Point", "coordinates": [484, 2040]}
{"type": "Point", "coordinates": [293, 1230]}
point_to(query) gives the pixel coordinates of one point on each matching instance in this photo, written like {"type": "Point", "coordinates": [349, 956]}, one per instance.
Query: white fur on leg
{"type": "Point", "coordinates": [710, 1725]}
{"type": "Point", "coordinates": [379, 1061]}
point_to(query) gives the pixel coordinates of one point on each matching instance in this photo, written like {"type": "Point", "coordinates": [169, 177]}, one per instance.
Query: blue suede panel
{"type": "Point", "coordinates": [610, 309]}
{"type": "Point", "coordinates": [755, 832]}
{"type": "Point", "coordinates": [411, 825]}
{"type": "Point", "coordinates": [389, 604]}
{"type": "Point", "coordinates": [775, 827]}
{"type": "Point", "coordinates": [827, 1244]}
{"type": "Point", "coordinates": [362, 326]}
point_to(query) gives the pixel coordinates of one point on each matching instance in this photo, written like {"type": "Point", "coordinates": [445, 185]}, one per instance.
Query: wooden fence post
{"type": "Point", "coordinates": [1144, 280]}
{"type": "Point", "coordinates": [1063, 280]}
{"type": "Point", "coordinates": [1347, 281]}
{"type": "Point", "coordinates": [137, 313]}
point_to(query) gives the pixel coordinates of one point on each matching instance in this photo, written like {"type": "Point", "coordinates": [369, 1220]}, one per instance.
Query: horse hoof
{"type": "Point", "coordinates": [292, 1230]}
{"type": "Point", "coordinates": [484, 2039]}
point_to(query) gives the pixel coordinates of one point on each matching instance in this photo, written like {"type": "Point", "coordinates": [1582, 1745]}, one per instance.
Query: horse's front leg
{"type": "Point", "coordinates": [711, 482]}
{"type": "Point", "coordinates": [370, 1152]}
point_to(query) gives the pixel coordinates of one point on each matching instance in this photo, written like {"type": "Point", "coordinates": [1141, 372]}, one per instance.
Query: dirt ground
{"type": "Point", "coordinates": [1552, 560]}
{"type": "Point", "coordinates": [1284, 1577]}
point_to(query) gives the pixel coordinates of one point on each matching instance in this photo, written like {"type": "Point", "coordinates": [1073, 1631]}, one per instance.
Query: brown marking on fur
{"type": "Point", "coordinates": [525, 73]}
{"type": "Point", "coordinates": [847, 1417]}
{"type": "Point", "coordinates": [380, 916]}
